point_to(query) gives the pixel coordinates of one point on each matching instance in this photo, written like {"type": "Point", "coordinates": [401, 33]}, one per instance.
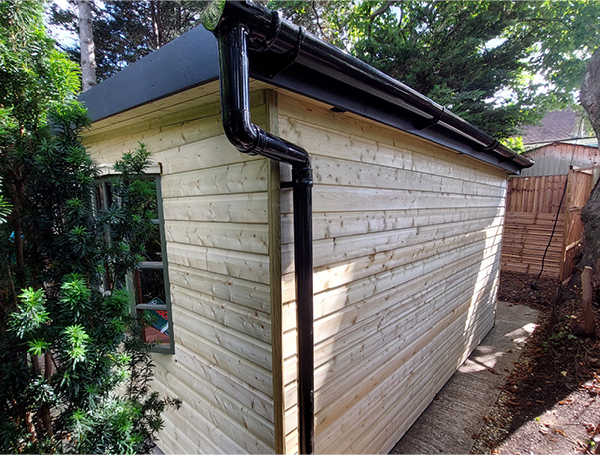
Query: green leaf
{"type": "Point", "coordinates": [77, 342]}
{"type": "Point", "coordinates": [37, 347]}
{"type": "Point", "coordinates": [31, 313]}
{"type": "Point", "coordinates": [76, 293]}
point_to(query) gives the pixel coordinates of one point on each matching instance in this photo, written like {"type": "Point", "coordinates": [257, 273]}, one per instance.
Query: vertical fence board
{"type": "Point", "coordinates": [532, 209]}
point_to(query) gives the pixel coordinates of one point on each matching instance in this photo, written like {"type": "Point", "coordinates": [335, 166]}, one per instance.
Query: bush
{"type": "Point", "coordinates": [68, 340]}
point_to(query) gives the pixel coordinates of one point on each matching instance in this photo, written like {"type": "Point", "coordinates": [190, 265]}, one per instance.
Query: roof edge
{"type": "Point", "coordinates": [162, 73]}
{"type": "Point", "coordinates": [317, 70]}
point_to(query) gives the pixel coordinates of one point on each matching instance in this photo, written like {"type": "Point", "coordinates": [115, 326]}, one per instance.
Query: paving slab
{"type": "Point", "coordinates": [456, 414]}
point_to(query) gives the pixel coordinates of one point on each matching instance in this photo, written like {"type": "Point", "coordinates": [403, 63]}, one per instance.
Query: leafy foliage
{"type": "Point", "coordinates": [4, 209]}
{"type": "Point", "coordinates": [497, 64]}
{"type": "Point", "coordinates": [441, 49]}
{"type": "Point", "coordinates": [327, 19]}
{"type": "Point", "coordinates": [125, 31]}
{"type": "Point", "coordinates": [66, 343]}
{"type": "Point", "coordinates": [128, 223]}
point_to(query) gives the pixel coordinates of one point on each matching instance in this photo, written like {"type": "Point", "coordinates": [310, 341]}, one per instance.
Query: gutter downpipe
{"type": "Point", "coordinates": [250, 139]}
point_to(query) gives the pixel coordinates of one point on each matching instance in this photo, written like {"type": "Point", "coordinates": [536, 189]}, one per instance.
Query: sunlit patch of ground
{"type": "Point", "coordinates": [550, 403]}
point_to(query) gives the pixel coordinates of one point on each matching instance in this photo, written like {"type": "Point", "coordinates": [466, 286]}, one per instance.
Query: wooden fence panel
{"type": "Point", "coordinates": [532, 207]}
{"type": "Point", "coordinates": [535, 194]}
{"type": "Point", "coordinates": [526, 236]}
{"type": "Point", "coordinates": [578, 192]}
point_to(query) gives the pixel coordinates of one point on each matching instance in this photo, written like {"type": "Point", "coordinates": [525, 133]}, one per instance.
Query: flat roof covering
{"type": "Point", "coordinates": [192, 60]}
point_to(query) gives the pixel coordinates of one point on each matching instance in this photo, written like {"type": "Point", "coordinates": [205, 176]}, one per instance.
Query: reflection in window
{"type": "Point", "coordinates": [149, 280]}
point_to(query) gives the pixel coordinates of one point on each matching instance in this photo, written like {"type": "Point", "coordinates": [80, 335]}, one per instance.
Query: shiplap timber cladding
{"type": "Point", "coordinates": [218, 206]}
{"type": "Point", "coordinates": [407, 254]}
{"type": "Point", "coordinates": [555, 159]}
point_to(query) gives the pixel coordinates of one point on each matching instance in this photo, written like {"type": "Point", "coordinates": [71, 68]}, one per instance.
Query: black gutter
{"type": "Point", "coordinates": [179, 66]}
{"type": "Point", "coordinates": [251, 139]}
{"type": "Point", "coordinates": [279, 44]}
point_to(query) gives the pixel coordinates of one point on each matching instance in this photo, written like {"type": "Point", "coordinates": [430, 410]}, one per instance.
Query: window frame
{"type": "Point", "coordinates": [130, 285]}
{"type": "Point", "coordinates": [153, 173]}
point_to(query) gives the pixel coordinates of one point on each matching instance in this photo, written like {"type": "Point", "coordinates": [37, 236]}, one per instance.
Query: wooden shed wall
{"type": "Point", "coordinates": [407, 255]}
{"type": "Point", "coordinates": [555, 159]}
{"type": "Point", "coordinates": [218, 206]}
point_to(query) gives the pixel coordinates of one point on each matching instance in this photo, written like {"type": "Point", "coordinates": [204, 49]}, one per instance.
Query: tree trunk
{"type": "Point", "coordinates": [157, 27]}
{"type": "Point", "coordinates": [29, 425]}
{"type": "Point", "coordinates": [589, 319]}
{"type": "Point", "coordinates": [590, 214]}
{"type": "Point", "coordinates": [590, 92]}
{"type": "Point", "coordinates": [86, 38]}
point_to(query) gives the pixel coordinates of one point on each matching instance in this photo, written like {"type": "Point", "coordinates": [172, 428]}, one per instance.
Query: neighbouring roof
{"type": "Point", "coordinates": [192, 60]}
{"type": "Point", "coordinates": [555, 126]}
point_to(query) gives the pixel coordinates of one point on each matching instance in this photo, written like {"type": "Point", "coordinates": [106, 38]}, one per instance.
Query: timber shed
{"type": "Point", "coordinates": [403, 200]}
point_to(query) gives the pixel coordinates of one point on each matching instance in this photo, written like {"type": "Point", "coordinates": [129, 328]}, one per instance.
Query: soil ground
{"type": "Point", "coordinates": [549, 404]}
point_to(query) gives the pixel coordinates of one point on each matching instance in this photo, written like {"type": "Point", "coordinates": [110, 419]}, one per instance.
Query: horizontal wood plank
{"type": "Point", "coordinates": [247, 266]}
{"type": "Point", "coordinates": [245, 177]}
{"type": "Point", "coordinates": [232, 208]}
{"type": "Point", "coordinates": [227, 383]}
{"type": "Point", "coordinates": [344, 199]}
{"type": "Point", "coordinates": [250, 238]}
{"type": "Point", "coordinates": [328, 225]}
{"type": "Point", "coordinates": [251, 322]}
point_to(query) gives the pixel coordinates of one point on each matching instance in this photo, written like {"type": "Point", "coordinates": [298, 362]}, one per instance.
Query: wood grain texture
{"type": "Point", "coordinates": [274, 192]}
{"type": "Point", "coordinates": [407, 242]}
{"type": "Point", "coordinates": [217, 206]}
{"type": "Point", "coordinates": [543, 212]}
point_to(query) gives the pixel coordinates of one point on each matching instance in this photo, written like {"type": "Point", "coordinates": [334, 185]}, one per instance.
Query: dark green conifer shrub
{"type": "Point", "coordinates": [74, 370]}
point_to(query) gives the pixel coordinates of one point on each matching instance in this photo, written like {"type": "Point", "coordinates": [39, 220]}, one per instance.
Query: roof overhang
{"type": "Point", "coordinates": [192, 60]}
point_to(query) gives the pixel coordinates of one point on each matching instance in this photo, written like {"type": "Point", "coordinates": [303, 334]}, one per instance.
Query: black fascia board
{"type": "Point", "coordinates": [186, 62]}
{"type": "Point", "coordinates": [308, 82]}
{"type": "Point", "coordinates": [192, 60]}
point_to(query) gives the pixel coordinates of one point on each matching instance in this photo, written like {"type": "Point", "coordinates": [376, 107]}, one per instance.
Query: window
{"type": "Point", "coordinates": [149, 282]}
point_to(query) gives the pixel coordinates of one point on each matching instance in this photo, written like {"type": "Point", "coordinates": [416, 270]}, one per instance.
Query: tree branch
{"type": "Point", "coordinates": [314, 7]}
{"type": "Point", "coordinates": [382, 9]}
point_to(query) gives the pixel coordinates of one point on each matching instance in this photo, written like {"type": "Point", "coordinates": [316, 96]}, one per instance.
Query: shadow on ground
{"type": "Point", "coordinates": [549, 403]}
{"type": "Point", "coordinates": [455, 417]}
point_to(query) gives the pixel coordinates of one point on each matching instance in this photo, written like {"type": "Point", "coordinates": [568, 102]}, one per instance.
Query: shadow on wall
{"type": "Point", "coordinates": [402, 296]}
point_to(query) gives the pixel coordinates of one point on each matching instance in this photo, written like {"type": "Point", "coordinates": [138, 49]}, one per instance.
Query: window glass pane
{"type": "Point", "coordinates": [109, 196]}
{"type": "Point", "coordinates": [99, 197]}
{"type": "Point", "coordinates": [153, 207]}
{"type": "Point", "coordinates": [149, 279]}
{"type": "Point", "coordinates": [153, 247]}
{"type": "Point", "coordinates": [100, 201]}
{"type": "Point", "coordinates": [151, 284]}
{"type": "Point", "coordinates": [158, 329]}
{"type": "Point", "coordinates": [103, 195]}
